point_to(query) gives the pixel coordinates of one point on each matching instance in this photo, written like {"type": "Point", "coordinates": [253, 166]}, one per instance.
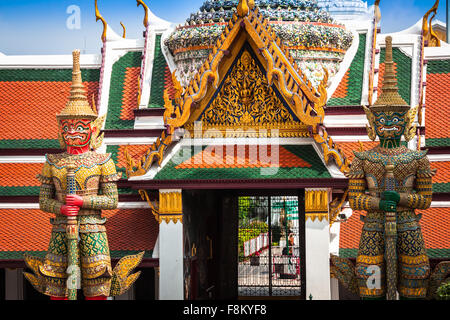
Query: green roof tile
{"type": "Point", "coordinates": [129, 60]}
{"type": "Point", "coordinates": [19, 191]}
{"type": "Point", "coordinates": [438, 66]}
{"type": "Point", "coordinates": [47, 75]}
{"type": "Point", "coordinates": [158, 77]}
{"type": "Point", "coordinates": [305, 152]}
{"type": "Point", "coordinates": [29, 144]}
{"type": "Point", "coordinates": [437, 142]}
{"type": "Point", "coordinates": [441, 187]}
{"type": "Point", "coordinates": [355, 79]}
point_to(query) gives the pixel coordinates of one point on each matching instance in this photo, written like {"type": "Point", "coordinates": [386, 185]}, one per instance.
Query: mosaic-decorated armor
{"type": "Point", "coordinates": [413, 185]}
{"type": "Point", "coordinates": [76, 186]}
{"type": "Point", "coordinates": [94, 173]}
{"type": "Point", "coordinates": [391, 245]}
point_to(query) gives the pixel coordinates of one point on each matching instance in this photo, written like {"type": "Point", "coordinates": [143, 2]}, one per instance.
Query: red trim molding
{"type": "Point", "coordinates": [149, 112]}
{"type": "Point", "coordinates": [240, 184]}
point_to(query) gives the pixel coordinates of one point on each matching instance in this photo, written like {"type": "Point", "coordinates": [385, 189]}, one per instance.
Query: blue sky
{"type": "Point", "coordinates": [40, 27]}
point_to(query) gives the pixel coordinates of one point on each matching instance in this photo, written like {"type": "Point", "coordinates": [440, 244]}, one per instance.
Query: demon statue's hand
{"type": "Point", "coordinates": [388, 206]}
{"type": "Point", "coordinates": [72, 206]}
{"type": "Point", "coordinates": [391, 196]}
{"type": "Point", "coordinates": [74, 200]}
{"type": "Point", "coordinates": [69, 210]}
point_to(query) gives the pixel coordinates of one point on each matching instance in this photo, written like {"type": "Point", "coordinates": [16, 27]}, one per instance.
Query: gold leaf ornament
{"type": "Point", "coordinates": [410, 130]}
{"type": "Point", "coordinates": [97, 139]}
{"type": "Point", "coordinates": [371, 126]}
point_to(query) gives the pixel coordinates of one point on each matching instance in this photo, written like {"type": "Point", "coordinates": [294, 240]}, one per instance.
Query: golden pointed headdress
{"type": "Point", "coordinates": [389, 99]}
{"type": "Point", "coordinates": [78, 106]}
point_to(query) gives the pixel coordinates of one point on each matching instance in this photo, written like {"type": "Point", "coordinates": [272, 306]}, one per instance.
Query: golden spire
{"type": "Point", "coordinates": [389, 99]}
{"type": "Point", "coordinates": [78, 105]}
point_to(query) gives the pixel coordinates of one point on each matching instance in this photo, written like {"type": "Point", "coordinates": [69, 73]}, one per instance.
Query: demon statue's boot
{"type": "Point", "coordinates": [389, 182]}
{"type": "Point", "coordinates": [75, 186]}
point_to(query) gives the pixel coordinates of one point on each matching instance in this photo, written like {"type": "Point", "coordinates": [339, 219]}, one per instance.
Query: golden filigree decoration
{"type": "Point", "coordinates": [122, 279]}
{"type": "Point", "coordinates": [316, 204]}
{"type": "Point", "coordinates": [246, 98]}
{"type": "Point", "coordinates": [154, 205]}
{"type": "Point", "coordinates": [410, 130]}
{"type": "Point", "coordinates": [170, 206]}
{"type": "Point", "coordinates": [336, 207]}
{"type": "Point", "coordinates": [98, 16]}
{"type": "Point", "coordinates": [331, 151]}
{"type": "Point", "coordinates": [371, 126]}
{"type": "Point", "coordinates": [154, 154]}
{"type": "Point", "coordinates": [306, 102]}
{"type": "Point", "coordinates": [97, 138]}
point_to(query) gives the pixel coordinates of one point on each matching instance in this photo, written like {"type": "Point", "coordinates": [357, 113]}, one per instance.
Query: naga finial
{"type": "Point", "coordinates": [124, 34]}
{"type": "Point", "coordinates": [427, 29]}
{"type": "Point", "coordinates": [141, 3]}
{"type": "Point", "coordinates": [98, 16]}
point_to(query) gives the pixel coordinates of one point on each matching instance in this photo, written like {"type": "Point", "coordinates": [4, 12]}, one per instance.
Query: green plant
{"type": "Point", "coordinates": [443, 292]}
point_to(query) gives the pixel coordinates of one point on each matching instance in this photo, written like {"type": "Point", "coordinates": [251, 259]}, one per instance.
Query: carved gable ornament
{"type": "Point", "coordinates": [245, 101]}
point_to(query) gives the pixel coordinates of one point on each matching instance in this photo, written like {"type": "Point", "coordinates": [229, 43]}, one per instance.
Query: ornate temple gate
{"type": "Point", "coordinates": [269, 249]}
{"type": "Point", "coordinates": [221, 263]}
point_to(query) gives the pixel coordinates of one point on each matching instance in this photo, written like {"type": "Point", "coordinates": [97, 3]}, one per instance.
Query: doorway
{"type": "Point", "coordinates": [270, 250]}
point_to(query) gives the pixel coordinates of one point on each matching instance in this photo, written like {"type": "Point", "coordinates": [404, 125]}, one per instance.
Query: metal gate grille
{"type": "Point", "coordinates": [269, 254]}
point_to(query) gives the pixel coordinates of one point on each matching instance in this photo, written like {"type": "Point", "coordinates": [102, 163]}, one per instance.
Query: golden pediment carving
{"type": "Point", "coordinates": [245, 99]}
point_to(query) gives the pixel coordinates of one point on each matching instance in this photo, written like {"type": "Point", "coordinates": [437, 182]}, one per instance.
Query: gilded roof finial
{"type": "Point", "coordinates": [389, 99]}
{"type": "Point", "coordinates": [78, 105]}
{"type": "Point", "coordinates": [98, 16]}
{"type": "Point", "coordinates": [244, 7]}
{"type": "Point", "coordinates": [141, 3]}
{"type": "Point", "coordinates": [377, 11]}
{"type": "Point", "coordinates": [427, 28]}
{"type": "Point", "coordinates": [124, 34]}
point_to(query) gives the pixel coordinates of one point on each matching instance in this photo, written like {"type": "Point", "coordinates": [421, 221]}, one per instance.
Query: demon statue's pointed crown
{"type": "Point", "coordinates": [390, 117]}
{"type": "Point", "coordinates": [78, 106]}
{"type": "Point", "coordinates": [78, 124]}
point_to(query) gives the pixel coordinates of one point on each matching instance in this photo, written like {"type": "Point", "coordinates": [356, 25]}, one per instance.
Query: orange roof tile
{"type": "Point", "coordinates": [443, 171]}
{"type": "Point", "coordinates": [19, 174]}
{"type": "Point", "coordinates": [351, 231]}
{"type": "Point", "coordinates": [168, 82]}
{"type": "Point", "coordinates": [244, 156]}
{"type": "Point", "coordinates": [435, 224]}
{"type": "Point", "coordinates": [29, 229]}
{"type": "Point", "coordinates": [341, 90]}
{"type": "Point", "coordinates": [437, 113]}
{"type": "Point", "coordinates": [29, 108]}
{"type": "Point", "coordinates": [130, 93]}
{"type": "Point", "coordinates": [131, 229]}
